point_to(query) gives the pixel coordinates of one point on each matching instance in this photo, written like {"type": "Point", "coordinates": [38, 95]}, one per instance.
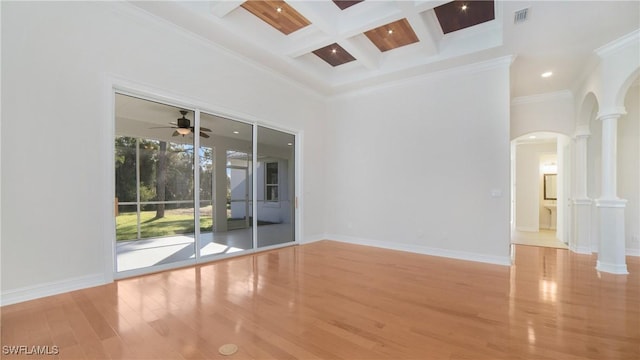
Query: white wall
{"type": "Point", "coordinates": [564, 221]}
{"type": "Point", "coordinates": [412, 165]}
{"type": "Point", "coordinates": [527, 189]}
{"type": "Point", "coordinates": [553, 112]}
{"type": "Point", "coordinates": [57, 59]}
{"type": "Point", "coordinates": [629, 168]}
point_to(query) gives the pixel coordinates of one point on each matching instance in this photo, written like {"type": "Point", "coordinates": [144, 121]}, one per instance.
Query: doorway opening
{"type": "Point", "coordinates": [540, 190]}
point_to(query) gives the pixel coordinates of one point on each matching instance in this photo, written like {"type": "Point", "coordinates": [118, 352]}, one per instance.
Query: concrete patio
{"type": "Point", "coordinates": [143, 253]}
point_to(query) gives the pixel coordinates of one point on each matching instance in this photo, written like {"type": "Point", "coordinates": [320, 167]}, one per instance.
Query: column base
{"type": "Point", "coordinates": [612, 249]}
{"type": "Point", "coordinates": [618, 269]}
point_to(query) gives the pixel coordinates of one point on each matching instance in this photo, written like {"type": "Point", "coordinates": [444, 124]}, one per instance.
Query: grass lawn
{"type": "Point", "coordinates": [171, 224]}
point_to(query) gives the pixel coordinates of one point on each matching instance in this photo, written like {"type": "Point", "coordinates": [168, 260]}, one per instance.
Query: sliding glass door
{"type": "Point", "coordinates": [185, 184]}
{"type": "Point", "coordinates": [153, 185]}
{"type": "Point", "coordinates": [226, 186]}
{"type": "Point", "coordinates": [276, 179]}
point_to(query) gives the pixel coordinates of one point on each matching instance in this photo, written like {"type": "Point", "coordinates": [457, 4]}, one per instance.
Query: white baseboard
{"type": "Point", "coordinates": [419, 249]}
{"type": "Point", "coordinates": [633, 252]}
{"type": "Point", "coordinates": [527, 229]}
{"type": "Point", "coordinates": [52, 288]}
{"type": "Point", "coordinates": [628, 252]}
{"type": "Point", "coordinates": [585, 250]}
{"type": "Point", "coordinates": [313, 238]}
{"type": "Point", "coordinates": [619, 269]}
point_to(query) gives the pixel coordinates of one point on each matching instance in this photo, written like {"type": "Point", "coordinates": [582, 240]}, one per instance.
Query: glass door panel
{"type": "Point", "coordinates": [225, 185]}
{"type": "Point", "coordinates": [276, 193]}
{"type": "Point", "coordinates": [155, 221]}
{"type": "Point", "coordinates": [155, 188]}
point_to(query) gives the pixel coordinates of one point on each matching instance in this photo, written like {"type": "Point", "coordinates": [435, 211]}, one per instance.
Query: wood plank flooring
{"type": "Point", "coordinates": [329, 300]}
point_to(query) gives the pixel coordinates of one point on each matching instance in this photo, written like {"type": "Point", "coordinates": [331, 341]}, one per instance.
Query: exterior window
{"type": "Point", "coordinates": [271, 181]}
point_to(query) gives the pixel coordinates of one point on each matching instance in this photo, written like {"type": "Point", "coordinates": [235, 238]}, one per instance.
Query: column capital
{"type": "Point", "coordinates": [611, 112]}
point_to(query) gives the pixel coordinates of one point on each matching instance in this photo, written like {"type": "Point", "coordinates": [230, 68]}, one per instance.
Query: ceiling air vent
{"type": "Point", "coordinates": [520, 16]}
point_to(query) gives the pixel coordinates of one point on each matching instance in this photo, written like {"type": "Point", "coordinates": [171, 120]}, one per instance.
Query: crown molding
{"type": "Point", "coordinates": [618, 44]}
{"type": "Point", "coordinates": [468, 69]}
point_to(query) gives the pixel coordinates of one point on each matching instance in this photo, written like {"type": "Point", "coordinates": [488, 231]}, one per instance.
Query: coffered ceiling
{"type": "Point", "coordinates": [338, 46]}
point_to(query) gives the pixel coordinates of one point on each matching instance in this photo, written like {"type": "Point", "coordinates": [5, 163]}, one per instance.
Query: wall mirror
{"type": "Point", "coordinates": [550, 192]}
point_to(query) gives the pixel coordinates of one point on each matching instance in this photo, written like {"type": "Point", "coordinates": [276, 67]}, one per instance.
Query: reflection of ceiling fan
{"type": "Point", "coordinates": [183, 126]}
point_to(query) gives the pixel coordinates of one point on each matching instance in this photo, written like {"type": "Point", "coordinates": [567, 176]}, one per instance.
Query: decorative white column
{"type": "Point", "coordinates": [611, 255]}
{"type": "Point", "coordinates": [581, 241]}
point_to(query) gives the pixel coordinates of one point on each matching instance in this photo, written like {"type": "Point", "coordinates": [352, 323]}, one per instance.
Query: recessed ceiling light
{"type": "Point", "coordinates": [532, 137]}
{"type": "Point", "coordinates": [236, 132]}
{"type": "Point", "coordinates": [289, 144]}
{"type": "Point", "coordinates": [546, 74]}
{"type": "Point", "coordinates": [279, 9]}
{"type": "Point", "coordinates": [333, 51]}
{"type": "Point", "coordinates": [464, 7]}
{"type": "Point", "coordinates": [390, 31]}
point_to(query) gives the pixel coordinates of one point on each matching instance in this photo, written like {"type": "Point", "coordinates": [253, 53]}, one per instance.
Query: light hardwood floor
{"type": "Point", "coordinates": [329, 300]}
